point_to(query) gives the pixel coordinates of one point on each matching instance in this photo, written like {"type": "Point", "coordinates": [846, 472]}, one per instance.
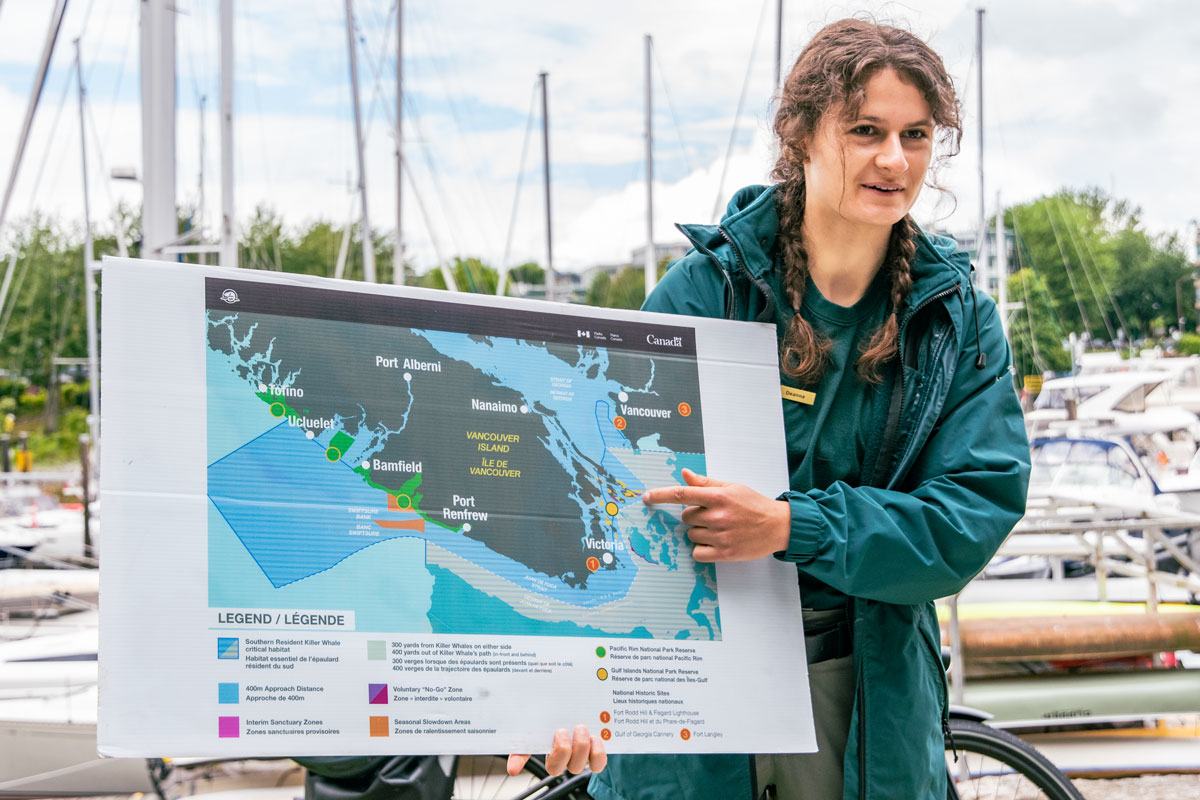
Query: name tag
{"type": "Point", "coordinates": [798, 395]}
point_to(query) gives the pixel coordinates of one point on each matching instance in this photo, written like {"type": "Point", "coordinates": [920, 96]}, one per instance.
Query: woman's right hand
{"type": "Point", "coordinates": [568, 752]}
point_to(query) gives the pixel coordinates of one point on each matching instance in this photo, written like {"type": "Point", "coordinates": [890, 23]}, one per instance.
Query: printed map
{"type": "Point", "coordinates": [439, 467]}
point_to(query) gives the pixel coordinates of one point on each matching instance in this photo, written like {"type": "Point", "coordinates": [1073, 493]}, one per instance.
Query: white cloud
{"type": "Point", "coordinates": [1095, 93]}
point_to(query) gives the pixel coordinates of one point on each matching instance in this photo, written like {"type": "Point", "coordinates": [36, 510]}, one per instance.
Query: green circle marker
{"type": "Point", "coordinates": [601, 652]}
{"type": "Point", "coordinates": [277, 410]}
{"type": "Point", "coordinates": [333, 454]}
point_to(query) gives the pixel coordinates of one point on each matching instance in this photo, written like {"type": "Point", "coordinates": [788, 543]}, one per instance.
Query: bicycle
{"type": "Point", "coordinates": [475, 778]}
{"type": "Point", "coordinates": [986, 762]}
{"type": "Point", "coordinates": [486, 777]}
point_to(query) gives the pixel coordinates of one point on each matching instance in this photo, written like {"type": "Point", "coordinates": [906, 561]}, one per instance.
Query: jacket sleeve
{"type": "Point", "coordinates": [960, 499]}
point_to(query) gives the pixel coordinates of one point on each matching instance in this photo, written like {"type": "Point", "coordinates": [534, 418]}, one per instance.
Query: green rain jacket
{"type": "Point", "coordinates": [948, 487]}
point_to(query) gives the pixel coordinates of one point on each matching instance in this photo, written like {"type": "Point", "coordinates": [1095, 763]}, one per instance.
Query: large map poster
{"type": "Point", "coordinates": [345, 518]}
{"type": "Point", "coordinates": [501, 474]}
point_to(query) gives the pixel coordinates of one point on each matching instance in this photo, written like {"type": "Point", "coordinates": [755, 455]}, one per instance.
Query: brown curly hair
{"type": "Point", "coordinates": [831, 74]}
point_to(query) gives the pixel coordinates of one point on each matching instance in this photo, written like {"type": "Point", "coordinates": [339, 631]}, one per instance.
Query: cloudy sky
{"type": "Point", "coordinates": [1077, 93]}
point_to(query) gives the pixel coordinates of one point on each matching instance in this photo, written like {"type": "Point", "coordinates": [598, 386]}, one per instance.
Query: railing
{"type": "Point", "coordinates": [1115, 539]}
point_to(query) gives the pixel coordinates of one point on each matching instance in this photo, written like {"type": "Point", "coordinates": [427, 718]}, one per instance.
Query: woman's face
{"type": "Point", "coordinates": [869, 169]}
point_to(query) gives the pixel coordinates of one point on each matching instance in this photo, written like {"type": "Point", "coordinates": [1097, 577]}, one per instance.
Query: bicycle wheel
{"type": "Point", "coordinates": [487, 778]}
{"type": "Point", "coordinates": [993, 763]}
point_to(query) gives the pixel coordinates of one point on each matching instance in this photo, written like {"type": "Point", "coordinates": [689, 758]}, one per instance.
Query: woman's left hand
{"type": "Point", "coordinates": [727, 521]}
{"type": "Point", "coordinates": [568, 752]}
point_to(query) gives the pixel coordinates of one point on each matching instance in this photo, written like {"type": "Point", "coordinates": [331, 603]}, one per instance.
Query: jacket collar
{"type": "Point", "coordinates": [751, 224]}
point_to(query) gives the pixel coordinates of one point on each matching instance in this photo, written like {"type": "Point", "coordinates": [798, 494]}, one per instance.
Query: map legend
{"type": "Point", "coordinates": [227, 693]}
{"type": "Point", "coordinates": [227, 648]}
{"type": "Point", "coordinates": [376, 650]}
{"type": "Point", "coordinates": [378, 726]}
{"type": "Point", "coordinates": [377, 694]}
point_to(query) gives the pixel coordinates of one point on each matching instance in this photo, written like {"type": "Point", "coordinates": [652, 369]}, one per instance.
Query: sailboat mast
{"type": "Point", "coordinates": [1001, 268]}
{"type": "Point", "coordinates": [778, 43]}
{"type": "Point", "coordinates": [39, 82]}
{"type": "Point", "coordinates": [229, 251]}
{"type": "Point", "coordinates": [649, 262]}
{"type": "Point", "coordinates": [89, 278]}
{"type": "Point", "coordinates": [551, 276]}
{"type": "Point", "coordinates": [398, 252]}
{"type": "Point", "coordinates": [981, 250]}
{"type": "Point", "coordinates": [367, 243]}
{"type": "Point", "coordinates": [160, 226]}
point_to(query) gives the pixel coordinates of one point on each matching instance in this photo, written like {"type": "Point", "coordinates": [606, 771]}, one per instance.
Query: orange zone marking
{"type": "Point", "coordinates": [402, 524]}
{"type": "Point", "coordinates": [399, 502]}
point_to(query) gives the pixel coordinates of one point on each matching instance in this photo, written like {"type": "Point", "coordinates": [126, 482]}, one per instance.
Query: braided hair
{"type": "Point", "coordinates": [830, 76]}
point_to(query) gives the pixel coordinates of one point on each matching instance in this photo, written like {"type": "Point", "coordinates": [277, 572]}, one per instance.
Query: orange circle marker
{"type": "Point", "coordinates": [619, 423]}
{"type": "Point", "coordinates": [685, 734]}
{"type": "Point", "coordinates": [593, 563]}
{"type": "Point", "coordinates": [602, 674]}
{"type": "Point", "coordinates": [685, 409]}
{"type": "Point", "coordinates": [605, 734]}
{"type": "Point", "coordinates": [605, 717]}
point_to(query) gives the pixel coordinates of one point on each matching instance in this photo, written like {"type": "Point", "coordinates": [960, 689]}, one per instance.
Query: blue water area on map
{"type": "Point", "coordinates": [243, 416]}
{"type": "Point", "coordinates": [385, 585]}
{"type": "Point", "coordinates": [461, 607]}
{"type": "Point", "coordinates": [296, 513]}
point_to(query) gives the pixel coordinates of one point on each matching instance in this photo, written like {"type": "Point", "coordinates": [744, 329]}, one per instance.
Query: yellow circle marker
{"type": "Point", "coordinates": [611, 508]}
{"type": "Point", "coordinates": [403, 502]}
{"type": "Point", "coordinates": [277, 410]}
{"type": "Point", "coordinates": [333, 454]}
{"type": "Point", "coordinates": [685, 409]}
{"type": "Point", "coordinates": [602, 674]}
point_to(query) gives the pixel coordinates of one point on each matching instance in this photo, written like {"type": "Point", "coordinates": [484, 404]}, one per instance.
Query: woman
{"type": "Point", "coordinates": [908, 462]}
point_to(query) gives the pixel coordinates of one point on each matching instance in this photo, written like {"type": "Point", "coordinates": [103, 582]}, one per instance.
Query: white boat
{"type": "Point", "coordinates": [1116, 398]}
{"type": "Point", "coordinates": [39, 524]}
{"type": "Point", "coordinates": [48, 680]}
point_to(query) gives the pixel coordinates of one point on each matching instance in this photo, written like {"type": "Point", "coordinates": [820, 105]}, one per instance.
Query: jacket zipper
{"type": "Point", "coordinates": [862, 680]}
{"type": "Point", "coordinates": [938, 664]}
{"type": "Point", "coordinates": [731, 306]}
{"type": "Point", "coordinates": [904, 325]}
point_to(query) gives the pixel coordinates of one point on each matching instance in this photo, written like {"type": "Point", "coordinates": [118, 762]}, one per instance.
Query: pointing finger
{"type": "Point", "coordinates": [680, 495]}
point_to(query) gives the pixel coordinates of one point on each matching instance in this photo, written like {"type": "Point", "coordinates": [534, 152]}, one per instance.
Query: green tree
{"type": "Point", "coordinates": [470, 275]}
{"type": "Point", "coordinates": [1034, 330]}
{"type": "Point", "coordinates": [626, 290]}
{"type": "Point", "coordinates": [530, 272]}
{"type": "Point", "coordinates": [1103, 272]}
